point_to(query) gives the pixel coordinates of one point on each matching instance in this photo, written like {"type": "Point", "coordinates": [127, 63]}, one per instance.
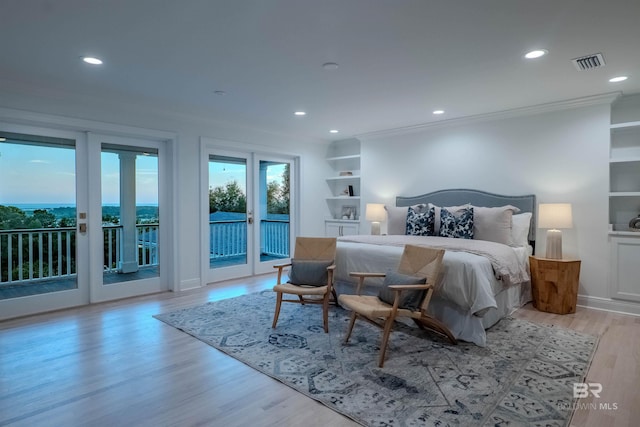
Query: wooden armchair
{"type": "Point", "coordinates": [310, 277]}
{"type": "Point", "coordinates": [408, 297]}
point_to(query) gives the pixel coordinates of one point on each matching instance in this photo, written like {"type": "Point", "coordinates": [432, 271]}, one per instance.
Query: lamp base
{"type": "Point", "coordinates": [375, 228]}
{"type": "Point", "coordinates": [554, 244]}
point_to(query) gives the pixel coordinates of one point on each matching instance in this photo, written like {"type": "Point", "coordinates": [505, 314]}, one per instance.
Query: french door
{"type": "Point", "coordinates": [248, 212]}
{"type": "Point", "coordinates": [128, 201]}
{"type": "Point", "coordinates": [79, 218]}
{"type": "Point", "coordinates": [43, 243]}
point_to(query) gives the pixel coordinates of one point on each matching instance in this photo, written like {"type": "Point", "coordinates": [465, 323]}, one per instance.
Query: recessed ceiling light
{"type": "Point", "coordinates": [300, 113]}
{"type": "Point", "coordinates": [330, 66]}
{"type": "Point", "coordinates": [92, 60]}
{"type": "Point", "coordinates": [437, 112]}
{"type": "Point", "coordinates": [536, 53]}
{"type": "Point", "coordinates": [333, 131]}
{"type": "Point", "coordinates": [618, 79]}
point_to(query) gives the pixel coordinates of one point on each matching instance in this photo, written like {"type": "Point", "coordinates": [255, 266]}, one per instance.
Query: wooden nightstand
{"type": "Point", "coordinates": [554, 284]}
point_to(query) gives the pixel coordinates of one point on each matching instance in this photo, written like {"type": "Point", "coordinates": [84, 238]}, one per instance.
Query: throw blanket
{"type": "Point", "coordinates": [503, 258]}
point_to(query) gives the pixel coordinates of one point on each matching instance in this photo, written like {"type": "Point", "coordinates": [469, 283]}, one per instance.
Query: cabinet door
{"type": "Point", "coordinates": [625, 268]}
{"type": "Point", "coordinates": [332, 229]}
{"type": "Point", "coordinates": [337, 229]}
{"type": "Point", "coordinates": [349, 229]}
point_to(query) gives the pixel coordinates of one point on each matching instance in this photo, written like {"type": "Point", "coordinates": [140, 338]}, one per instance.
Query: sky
{"type": "Point", "coordinates": [32, 174]}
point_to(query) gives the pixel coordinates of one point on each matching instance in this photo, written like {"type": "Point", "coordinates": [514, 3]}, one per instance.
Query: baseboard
{"type": "Point", "coordinates": [186, 285]}
{"type": "Point", "coordinates": [608, 304]}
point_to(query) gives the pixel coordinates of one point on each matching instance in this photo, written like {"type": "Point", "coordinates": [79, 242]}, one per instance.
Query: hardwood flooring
{"type": "Point", "coordinates": [113, 364]}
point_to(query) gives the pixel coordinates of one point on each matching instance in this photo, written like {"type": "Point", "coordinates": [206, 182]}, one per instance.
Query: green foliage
{"type": "Point", "coordinates": [229, 198]}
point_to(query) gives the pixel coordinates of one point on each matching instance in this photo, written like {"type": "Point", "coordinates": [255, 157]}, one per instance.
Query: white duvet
{"type": "Point", "coordinates": [474, 271]}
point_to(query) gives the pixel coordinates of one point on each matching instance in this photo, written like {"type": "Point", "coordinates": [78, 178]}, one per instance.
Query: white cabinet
{"type": "Point", "coordinates": [344, 185]}
{"type": "Point", "coordinates": [625, 265]}
{"type": "Point", "coordinates": [624, 174]}
{"type": "Point", "coordinates": [337, 228]}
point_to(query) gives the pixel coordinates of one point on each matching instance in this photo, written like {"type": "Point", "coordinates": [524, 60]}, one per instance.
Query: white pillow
{"type": "Point", "coordinates": [520, 229]}
{"type": "Point", "coordinates": [493, 224]}
{"type": "Point", "coordinates": [397, 218]}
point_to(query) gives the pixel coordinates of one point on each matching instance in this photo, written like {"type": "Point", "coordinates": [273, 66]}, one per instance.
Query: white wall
{"type": "Point", "coordinates": [188, 131]}
{"type": "Point", "coordinates": [560, 156]}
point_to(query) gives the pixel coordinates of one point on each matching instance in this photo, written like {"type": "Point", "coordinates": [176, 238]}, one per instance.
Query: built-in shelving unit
{"type": "Point", "coordinates": [345, 208]}
{"type": "Point", "coordinates": [624, 204]}
{"type": "Point", "coordinates": [624, 174]}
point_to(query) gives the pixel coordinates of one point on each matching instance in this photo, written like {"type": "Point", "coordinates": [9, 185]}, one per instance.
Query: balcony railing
{"type": "Point", "coordinates": [49, 253]}
{"type": "Point", "coordinates": [229, 238]}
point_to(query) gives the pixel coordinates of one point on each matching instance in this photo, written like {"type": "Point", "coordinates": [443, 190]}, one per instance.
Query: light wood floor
{"type": "Point", "coordinates": [113, 364]}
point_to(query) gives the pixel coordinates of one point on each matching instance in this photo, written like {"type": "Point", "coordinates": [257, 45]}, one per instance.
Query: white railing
{"type": "Point", "coordinates": [274, 238]}
{"type": "Point", "coordinates": [49, 253]}
{"type": "Point", "coordinates": [229, 238]}
{"type": "Point", "coordinates": [37, 254]}
{"type": "Point", "coordinates": [147, 238]}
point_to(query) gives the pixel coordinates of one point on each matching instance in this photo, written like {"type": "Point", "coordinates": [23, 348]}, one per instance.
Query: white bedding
{"type": "Point", "coordinates": [474, 273]}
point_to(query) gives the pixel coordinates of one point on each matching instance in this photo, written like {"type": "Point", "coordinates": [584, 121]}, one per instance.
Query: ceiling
{"type": "Point", "coordinates": [398, 60]}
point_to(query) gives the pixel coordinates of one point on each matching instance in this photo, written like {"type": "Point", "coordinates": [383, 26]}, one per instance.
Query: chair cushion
{"type": "Point", "coordinates": [408, 299]}
{"type": "Point", "coordinates": [309, 272]}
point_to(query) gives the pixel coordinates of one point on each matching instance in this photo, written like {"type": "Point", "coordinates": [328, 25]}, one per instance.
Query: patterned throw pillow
{"type": "Point", "coordinates": [459, 227]}
{"type": "Point", "coordinates": [420, 224]}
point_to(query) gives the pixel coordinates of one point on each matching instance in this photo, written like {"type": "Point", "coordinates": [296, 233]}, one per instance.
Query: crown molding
{"type": "Point", "coordinates": [606, 98]}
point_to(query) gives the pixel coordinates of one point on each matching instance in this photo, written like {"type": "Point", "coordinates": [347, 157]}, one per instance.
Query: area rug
{"type": "Point", "coordinates": [524, 376]}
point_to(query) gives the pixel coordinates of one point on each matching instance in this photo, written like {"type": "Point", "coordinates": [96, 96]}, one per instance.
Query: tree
{"type": "Point", "coordinates": [229, 198]}
{"type": "Point", "coordinates": [45, 218]}
{"type": "Point", "coordinates": [11, 218]}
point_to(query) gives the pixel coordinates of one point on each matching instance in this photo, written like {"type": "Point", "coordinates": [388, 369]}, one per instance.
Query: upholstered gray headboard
{"type": "Point", "coordinates": [461, 196]}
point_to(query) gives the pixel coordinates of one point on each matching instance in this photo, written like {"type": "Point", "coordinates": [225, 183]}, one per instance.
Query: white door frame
{"type": "Point", "coordinates": [211, 146]}
{"type": "Point", "coordinates": [100, 292]}
{"type": "Point", "coordinates": [32, 304]}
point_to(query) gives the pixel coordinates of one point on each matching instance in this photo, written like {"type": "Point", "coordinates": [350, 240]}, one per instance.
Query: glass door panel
{"type": "Point", "coordinates": [37, 215]}
{"type": "Point", "coordinates": [130, 219]}
{"type": "Point", "coordinates": [274, 210]}
{"type": "Point", "coordinates": [228, 214]}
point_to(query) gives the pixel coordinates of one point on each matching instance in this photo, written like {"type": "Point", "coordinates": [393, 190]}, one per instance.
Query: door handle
{"type": "Point", "coordinates": [250, 217]}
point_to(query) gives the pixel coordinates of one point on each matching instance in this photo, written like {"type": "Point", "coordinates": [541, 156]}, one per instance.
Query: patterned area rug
{"type": "Point", "coordinates": [524, 376]}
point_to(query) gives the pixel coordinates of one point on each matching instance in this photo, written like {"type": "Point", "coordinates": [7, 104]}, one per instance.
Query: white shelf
{"type": "Point", "coordinates": [343, 158]}
{"type": "Point", "coordinates": [624, 233]}
{"type": "Point", "coordinates": [624, 194]}
{"type": "Point", "coordinates": [344, 178]}
{"type": "Point", "coordinates": [344, 198]}
{"type": "Point", "coordinates": [625, 125]}
{"type": "Point", "coordinates": [624, 160]}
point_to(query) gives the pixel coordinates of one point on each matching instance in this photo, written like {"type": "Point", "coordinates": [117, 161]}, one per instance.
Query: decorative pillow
{"type": "Point", "coordinates": [459, 227]}
{"type": "Point", "coordinates": [420, 224]}
{"type": "Point", "coordinates": [396, 220]}
{"type": "Point", "coordinates": [493, 224]}
{"type": "Point", "coordinates": [408, 299]}
{"type": "Point", "coordinates": [456, 210]}
{"type": "Point", "coordinates": [520, 229]}
{"type": "Point", "coordinates": [397, 217]}
{"type": "Point", "coordinates": [309, 272]}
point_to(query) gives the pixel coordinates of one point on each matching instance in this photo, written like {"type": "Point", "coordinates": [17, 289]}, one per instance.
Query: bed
{"type": "Point", "coordinates": [485, 278]}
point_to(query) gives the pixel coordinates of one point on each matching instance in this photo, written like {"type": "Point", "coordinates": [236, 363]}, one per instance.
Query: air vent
{"type": "Point", "coordinates": [589, 62]}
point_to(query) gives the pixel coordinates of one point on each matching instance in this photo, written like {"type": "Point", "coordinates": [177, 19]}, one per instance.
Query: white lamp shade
{"type": "Point", "coordinates": [375, 212]}
{"type": "Point", "coordinates": [555, 215]}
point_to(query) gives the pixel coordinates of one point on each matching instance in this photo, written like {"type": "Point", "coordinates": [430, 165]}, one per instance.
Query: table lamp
{"type": "Point", "coordinates": [376, 214]}
{"type": "Point", "coordinates": [554, 216]}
